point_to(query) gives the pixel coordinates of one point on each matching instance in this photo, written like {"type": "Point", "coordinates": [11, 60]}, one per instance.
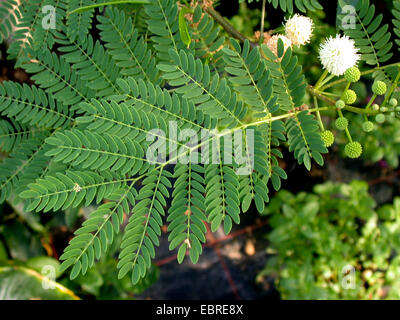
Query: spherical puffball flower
{"type": "Point", "coordinates": [299, 29]}
{"type": "Point", "coordinates": [341, 123]}
{"type": "Point", "coordinates": [328, 138]}
{"type": "Point", "coordinates": [353, 150]}
{"type": "Point", "coordinates": [338, 54]}
{"type": "Point", "coordinates": [272, 43]}
{"type": "Point", "coordinates": [350, 97]}
{"type": "Point", "coordinates": [368, 126]}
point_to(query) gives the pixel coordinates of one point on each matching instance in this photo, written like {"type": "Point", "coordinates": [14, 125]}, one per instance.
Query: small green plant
{"type": "Point", "coordinates": [28, 260]}
{"type": "Point", "coordinates": [334, 244]}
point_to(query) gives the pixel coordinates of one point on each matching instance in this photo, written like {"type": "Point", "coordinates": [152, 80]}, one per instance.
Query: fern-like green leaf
{"type": "Point", "coordinates": [91, 62]}
{"type": "Point", "coordinates": [211, 94]}
{"type": "Point", "coordinates": [372, 38]}
{"type": "Point", "coordinates": [396, 21]}
{"type": "Point", "coordinates": [31, 105]}
{"type": "Point", "coordinates": [79, 23]}
{"type": "Point", "coordinates": [250, 77]}
{"type": "Point", "coordinates": [164, 24]}
{"type": "Point", "coordinates": [97, 152]}
{"type": "Point", "coordinates": [289, 84]}
{"type": "Point", "coordinates": [13, 168]}
{"type": "Point", "coordinates": [144, 227]}
{"type": "Point", "coordinates": [186, 215]}
{"type": "Point", "coordinates": [207, 38]}
{"type": "Point", "coordinates": [9, 13]}
{"type": "Point", "coordinates": [55, 75]}
{"type": "Point", "coordinates": [128, 50]}
{"type": "Point", "coordinates": [13, 133]}
{"type": "Point", "coordinates": [61, 191]}
{"type": "Point", "coordinates": [97, 233]}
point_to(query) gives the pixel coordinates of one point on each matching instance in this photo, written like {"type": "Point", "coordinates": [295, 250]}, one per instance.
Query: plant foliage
{"type": "Point", "coordinates": [317, 236]}
{"type": "Point", "coordinates": [106, 89]}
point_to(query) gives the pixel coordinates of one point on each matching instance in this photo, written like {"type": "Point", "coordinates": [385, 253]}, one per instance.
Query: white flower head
{"type": "Point", "coordinates": [299, 29]}
{"type": "Point", "coordinates": [338, 54]}
{"type": "Point", "coordinates": [273, 43]}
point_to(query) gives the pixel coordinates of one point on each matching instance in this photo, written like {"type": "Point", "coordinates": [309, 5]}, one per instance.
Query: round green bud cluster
{"type": "Point", "coordinates": [384, 109]}
{"type": "Point", "coordinates": [380, 118]}
{"type": "Point", "coordinates": [375, 107]}
{"type": "Point", "coordinates": [352, 74]}
{"type": "Point", "coordinates": [368, 126]}
{"type": "Point", "coordinates": [328, 138]}
{"type": "Point", "coordinates": [350, 97]}
{"type": "Point", "coordinates": [393, 102]}
{"type": "Point", "coordinates": [353, 150]}
{"type": "Point", "coordinates": [341, 123]}
{"type": "Point", "coordinates": [379, 88]}
{"type": "Point", "coordinates": [340, 104]}
{"type": "Point", "coordinates": [397, 109]}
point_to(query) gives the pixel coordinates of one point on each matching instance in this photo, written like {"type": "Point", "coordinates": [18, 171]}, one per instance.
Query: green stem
{"type": "Point", "coordinates": [371, 102]}
{"type": "Point", "coordinates": [328, 100]}
{"type": "Point", "coordinates": [394, 86]}
{"type": "Point", "coordinates": [347, 129]}
{"type": "Point", "coordinates": [345, 90]}
{"type": "Point", "coordinates": [361, 111]}
{"type": "Point", "coordinates": [319, 82]}
{"type": "Point", "coordinates": [334, 83]}
{"type": "Point", "coordinates": [348, 135]}
{"type": "Point", "coordinates": [321, 125]}
{"type": "Point", "coordinates": [329, 94]}
{"type": "Point", "coordinates": [327, 79]}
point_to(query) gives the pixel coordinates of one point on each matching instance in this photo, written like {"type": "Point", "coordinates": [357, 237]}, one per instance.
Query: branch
{"type": "Point", "coordinates": [262, 22]}
{"type": "Point", "coordinates": [227, 26]}
{"type": "Point", "coordinates": [367, 112]}
{"type": "Point", "coordinates": [334, 83]}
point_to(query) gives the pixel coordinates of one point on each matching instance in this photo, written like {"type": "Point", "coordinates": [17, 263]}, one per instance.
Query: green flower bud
{"type": "Point", "coordinates": [393, 102]}
{"type": "Point", "coordinates": [353, 150]}
{"type": "Point", "coordinates": [340, 104]}
{"type": "Point", "coordinates": [328, 138]}
{"type": "Point", "coordinates": [368, 126]}
{"type": "Point", "coordinates": [352, 74]}
{"type": "Point", "coordinates": [375, 107]}
{"type": "Point", "coordinates": [397, 109]}
{"type": "Point", "coordinates": [384, 109]}
{"type": "Point", "coordinates": [350, 97]}
{"type": "Point", "coordinates": [380, 118]}
{"type": "Point", "coordinates": [379, 88]}
{"type": "Point", "coordinates": [341, 123]}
